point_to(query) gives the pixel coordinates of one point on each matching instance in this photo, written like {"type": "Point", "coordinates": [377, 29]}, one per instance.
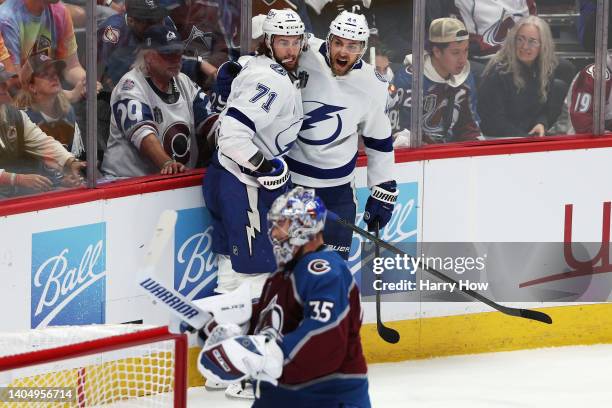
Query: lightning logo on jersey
{"type": "Point", "coordinates": [316, 118]}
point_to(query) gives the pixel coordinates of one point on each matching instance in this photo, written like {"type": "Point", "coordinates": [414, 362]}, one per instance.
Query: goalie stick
{"type": "Point", "coordinates": [180, 306]}
{"type": "Point", "coordinates": [386, 333]}
{"type": "Point", "coordinates": [233, 307]}
{"type": "Point", "coordinates": [511, 311]}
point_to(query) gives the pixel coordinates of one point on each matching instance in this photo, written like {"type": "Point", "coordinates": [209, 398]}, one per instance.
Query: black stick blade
{"type": "Point", "coordinates": [535, 315]}
{"type": "Point", "coordinates": [388, 334]}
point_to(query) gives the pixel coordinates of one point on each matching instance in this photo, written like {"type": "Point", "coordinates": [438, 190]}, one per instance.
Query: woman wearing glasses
{"type": "Point", "coordinates": [518, 95]}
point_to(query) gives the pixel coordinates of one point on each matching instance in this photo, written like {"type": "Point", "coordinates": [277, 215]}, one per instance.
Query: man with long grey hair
{"type": "Point", "coordinates": [158, 113]}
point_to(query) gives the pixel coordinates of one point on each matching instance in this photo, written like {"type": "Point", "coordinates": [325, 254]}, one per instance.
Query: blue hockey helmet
{"type": "Point", "coordinates": [306, 214]}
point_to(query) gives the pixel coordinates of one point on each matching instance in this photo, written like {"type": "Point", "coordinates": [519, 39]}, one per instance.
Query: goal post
{"type": "Point", "coordinates": [123, 365]}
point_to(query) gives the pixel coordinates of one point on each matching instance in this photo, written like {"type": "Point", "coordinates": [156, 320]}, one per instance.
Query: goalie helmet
{"type": "Point", "coordinates": [306, 214]}
{"type": "Point", "coordinates": [282, 22]}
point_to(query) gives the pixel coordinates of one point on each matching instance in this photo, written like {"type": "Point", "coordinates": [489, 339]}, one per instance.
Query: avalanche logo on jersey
{"type": "Point", "coordinates": [401, 228]}
{"type": "Point", "coordinates": [195, 265]}
{"type": "Point", "coordinates": [434, 114]}
{"type": "Point", "coordinates": [68, 276]}
{"type": "Point", "coordinates": [322, 123]}
{"type": "Point", "coordinates": [497, 33]}
{"type": "Point", "coordinates": [177, 142]}
{"type": "Point", "coordinates": [318, 266]}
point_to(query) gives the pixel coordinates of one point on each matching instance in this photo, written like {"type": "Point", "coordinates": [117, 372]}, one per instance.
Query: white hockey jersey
{"type": "Point", "coordinates": [489, 22]}
{"type": "Point", "coordinates": [336, 110]}
{"type": "Point", "coordinates": [137, 111]}
{"type": "Point", "coordinates": [263, 113]}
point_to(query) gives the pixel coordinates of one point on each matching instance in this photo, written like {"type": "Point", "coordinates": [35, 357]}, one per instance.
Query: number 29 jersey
{"type": "Point", "coordinates": [137, 110]}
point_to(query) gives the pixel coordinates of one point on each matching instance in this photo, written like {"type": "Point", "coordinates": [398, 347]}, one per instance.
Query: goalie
{"type": "Point", "coordinates": [304, 349]}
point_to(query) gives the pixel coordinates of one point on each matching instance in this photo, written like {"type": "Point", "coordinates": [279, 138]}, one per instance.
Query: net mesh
{"type": "Point", "coordinates": [136, 376]}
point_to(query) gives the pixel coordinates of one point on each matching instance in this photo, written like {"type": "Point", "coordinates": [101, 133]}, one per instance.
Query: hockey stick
{"type": "Point", "coordinates": [233, 307]}
{"type": "Point", "coordinates": [386, 333]}
{"type": "Point", "coordinates": [511, 311]}
{"type": "Point", "coordinates": [182, 307]}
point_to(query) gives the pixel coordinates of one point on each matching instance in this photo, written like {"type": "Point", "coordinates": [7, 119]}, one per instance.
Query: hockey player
{"type": "Point", "coordinates": [345, 97]}
{"type": "Point", "coordinates": [258, 126]}
{"type": "Point", "coordinates": [158, 113]}
{"type": "Point", "coordinates": [305, 329]}
{"type": "Point", "coordinates": [448, 88]}
{"type": "Point", "coordinates": [581, 96]}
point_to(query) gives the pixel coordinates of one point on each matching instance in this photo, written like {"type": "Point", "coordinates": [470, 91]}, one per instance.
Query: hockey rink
{"type": "Point", "coordinates": [576, 376]}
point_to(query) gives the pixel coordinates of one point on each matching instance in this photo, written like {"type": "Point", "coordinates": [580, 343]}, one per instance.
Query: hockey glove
{"type": "Point", "coordinates": [227, 72]}
{"type": "Point", "coordinates": [277, 177]}
{"type": "Point", "coordinates": [379, 206]}
{"type": "Point", "coordinates": [241, 357]}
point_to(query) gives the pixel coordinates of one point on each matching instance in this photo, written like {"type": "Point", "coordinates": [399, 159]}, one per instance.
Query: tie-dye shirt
{"type": "Point", "coordinates": [25, 34]}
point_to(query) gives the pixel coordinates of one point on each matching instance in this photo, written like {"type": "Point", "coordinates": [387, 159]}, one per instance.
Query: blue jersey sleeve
{"type": "Point", "coordinates": [201, 107]}
{"type": "Point", "coordinates": [130, 114]}
{"type": "Point", "coordinates": [403, 83]}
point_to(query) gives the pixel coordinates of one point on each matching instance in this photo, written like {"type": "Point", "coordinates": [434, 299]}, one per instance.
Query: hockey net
{"type": "Point", "coordinates": [84, 366]}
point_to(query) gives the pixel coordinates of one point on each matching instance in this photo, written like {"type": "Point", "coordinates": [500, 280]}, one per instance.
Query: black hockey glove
{"type": "Point", "coordinates": [379, 206]}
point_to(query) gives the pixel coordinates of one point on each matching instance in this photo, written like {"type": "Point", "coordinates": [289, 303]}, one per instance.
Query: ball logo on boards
{"type": "Point", "coordinates": [195, 265]}
{"type": "Point", "coordinates": [401, 228]}
{"type": "Point", "coordinates": [68, 276]}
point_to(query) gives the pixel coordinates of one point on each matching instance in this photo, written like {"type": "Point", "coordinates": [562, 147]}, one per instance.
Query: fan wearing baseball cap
{"type": "Point", "coordinates": [43, 27]}
{"type": "Point", "coordinates": [156, 112]}
{"type": "Point", "coordinates": [448, 88]}
{"type": "Point", "coordinates": [46, 104]}
{"type": "Point", "coordinates": [30, 160]}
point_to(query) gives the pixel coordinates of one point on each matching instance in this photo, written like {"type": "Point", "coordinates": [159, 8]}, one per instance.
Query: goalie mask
{"type": "Point", "coordinates": [282, 22]}
{"type": "Point", "coordinates": [294, 219]}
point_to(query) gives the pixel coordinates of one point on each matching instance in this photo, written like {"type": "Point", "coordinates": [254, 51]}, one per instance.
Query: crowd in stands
{"type": "Point", "coordinates": [492, 69]}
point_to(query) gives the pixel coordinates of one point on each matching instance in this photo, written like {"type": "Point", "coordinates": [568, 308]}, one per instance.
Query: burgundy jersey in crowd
{"type": "Point", "coordinates": [580, 99]}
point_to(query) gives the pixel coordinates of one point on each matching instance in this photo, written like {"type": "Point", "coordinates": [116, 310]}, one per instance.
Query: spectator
{"type": "Point", "coordinates": [120, 35]}
{"type": "Point", "coordinates": [156, 112]}
{"type": "Point", "coordinates": [489, 22]}
{"type": "Point", "coordinates": [6, 77]}
{"type": "Point", "coordinates": [118, 40]}
{"type": "Point", "coordinates": [104, 9]}
{"type": "Point", "coordinates": [518, 95]}
{"type": "Point", "coordinates": [581, 96]}
{"type": "Point", "coordinates": [45, 103]}
{"type": "Point", "coordinates": [384, 68]}
{"type": "Point", "coordinates": [32, 27]}
{"type": "Point", "coordinates": [447, 92]}
{"type": "Point", "coordinates": [382, 63]}
{"type": "Point", "coordinates": [13, 84]}
{"type": "Point", "coordinates": [30, 160]}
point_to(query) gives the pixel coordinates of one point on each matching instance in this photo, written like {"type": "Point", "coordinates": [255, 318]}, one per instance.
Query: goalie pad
{"type": "Point", "coordinates": [241, 357]}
